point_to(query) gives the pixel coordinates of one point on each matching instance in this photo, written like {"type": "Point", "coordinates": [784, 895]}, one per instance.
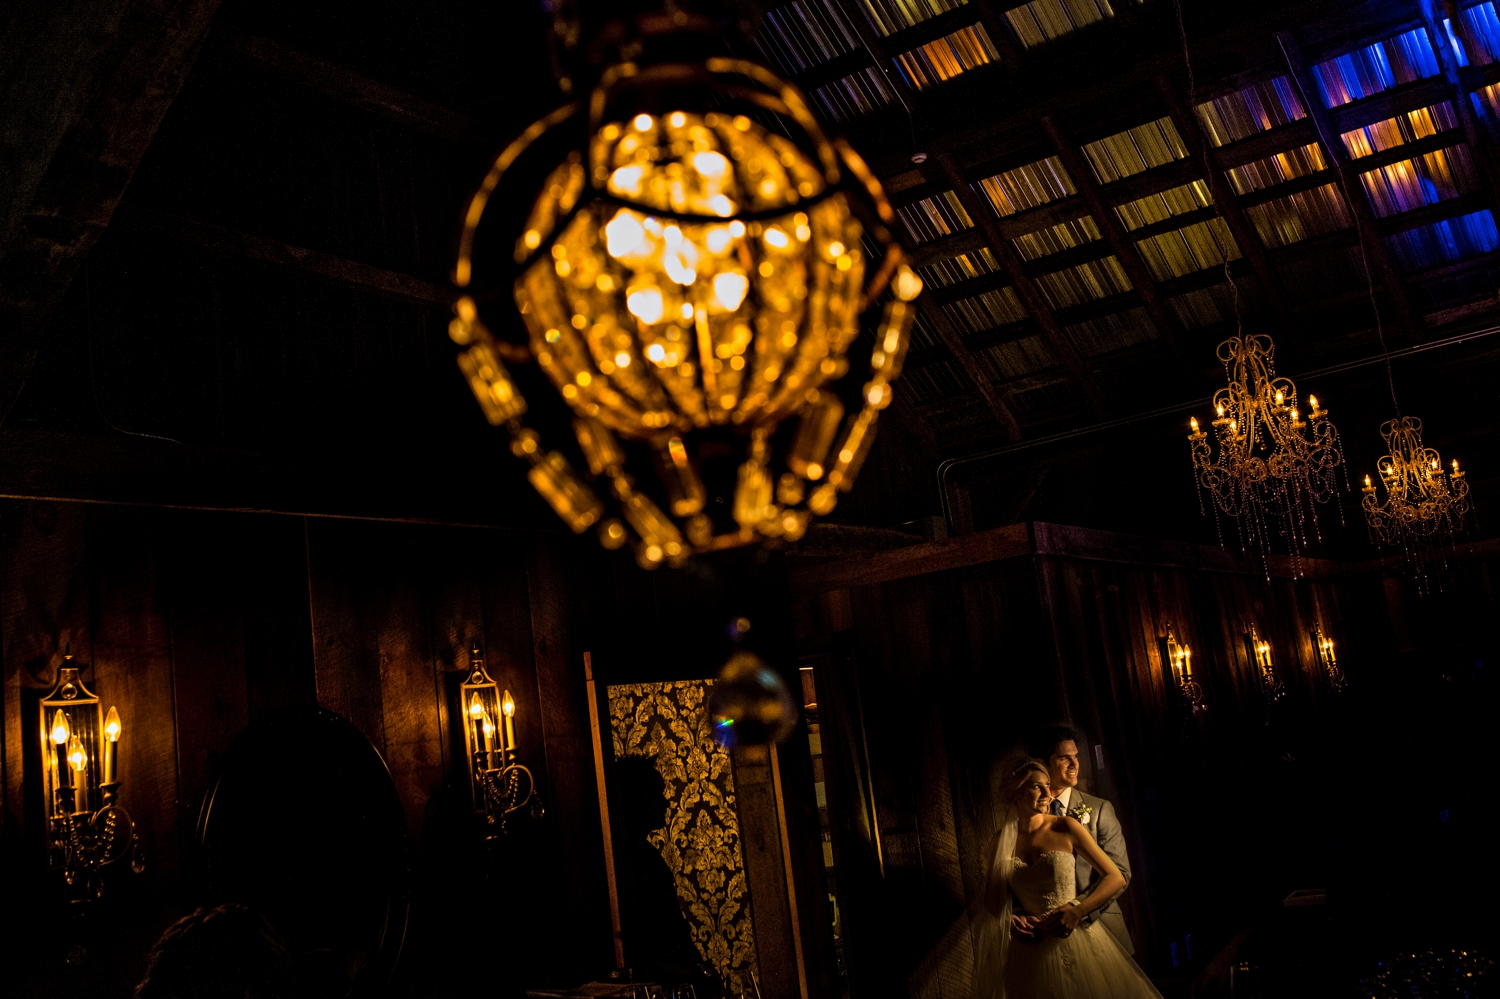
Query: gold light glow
{"type": "Point", "coordinates": [1263, 462]}
{"type": "Point", "coordinates": [60, 731]}
{"type": "Point", "coordinates": [77, 758]}
{"type": "Point", "coordinates": [692, 271]}
{"type": "Point", "coordinates": [112, 725]}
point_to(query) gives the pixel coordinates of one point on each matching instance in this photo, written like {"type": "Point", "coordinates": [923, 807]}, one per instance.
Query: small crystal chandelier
{"type": "Point", "coordinates": [689, 280]}
{"type": "Point", "coordinates": [1425, 504]}
{"type": "Point", "coordinates": [1272, 464]}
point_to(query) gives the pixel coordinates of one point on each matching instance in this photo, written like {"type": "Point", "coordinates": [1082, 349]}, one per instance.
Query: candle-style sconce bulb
{"type": "Point", "coordinates": [112, 725]}
{"type": "Point", "coordinates": [60, 730]}
{"type": "Point", "coordinates": [77, 758]}
{"type": "Point", "coordinates": [508, 705]}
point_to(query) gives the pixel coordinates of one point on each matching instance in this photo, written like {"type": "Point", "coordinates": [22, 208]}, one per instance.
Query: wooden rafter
{"type": "Point", "coordinates": [1125, 249]}
{"type": "Point", "coordinates": [1383, 269]}
{"type": "Point", "coordinates": [1191, 129]}
{"type": "Point", "coordinates": [1031, 297]}
{"type": "Point", "coordinates": [1479, 146]}
{"type": "Point", "coordinates": [952, 339]}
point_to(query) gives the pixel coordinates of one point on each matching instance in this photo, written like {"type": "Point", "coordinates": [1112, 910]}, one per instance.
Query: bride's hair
{"type": "Point", "coordinates": [1017, 774]}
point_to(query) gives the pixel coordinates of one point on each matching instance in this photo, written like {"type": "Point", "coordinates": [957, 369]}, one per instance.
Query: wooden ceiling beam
{"type": "Point", "coordinates": [348, 87]}
{"type": "Point", "coordinates": [985, 219]}
{"type": "Point", "coordinates": [1383, 270]}
{"type": "Point", "coordinates": [1108, 222]}
{"type": "Point", "coordinates": [83, 94]}
{"type": "Point", "coordinates": [1480, 146]}
{"type": "Point", "coordinates": [1190, 128]}
{"type": "Point", "coordinates": [953, 340]}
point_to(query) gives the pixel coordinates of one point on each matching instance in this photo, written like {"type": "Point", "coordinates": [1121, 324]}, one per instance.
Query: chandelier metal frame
{"type": "Point", "coordinates": [817, 469]}
{"type": "Point", "coordinates": [1424, 503]}
{"type": "Point", "coordinates": [1271, 463]}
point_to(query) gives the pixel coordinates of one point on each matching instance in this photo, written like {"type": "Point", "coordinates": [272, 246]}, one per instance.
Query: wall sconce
{"type": "Point", "coordinates": [87, 828]}
{"type": "Point", "coordinates": [1323, 649]}
{"type": "Point", "coordinates": [496, 780]}
{"type": "Point", "coordinates": [1180, 659]}
{"type": "Point", "coordinates": [1260, 654]}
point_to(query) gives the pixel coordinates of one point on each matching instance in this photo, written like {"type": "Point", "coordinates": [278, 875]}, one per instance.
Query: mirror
{"type": "Point", "coordinates": [303, 824]}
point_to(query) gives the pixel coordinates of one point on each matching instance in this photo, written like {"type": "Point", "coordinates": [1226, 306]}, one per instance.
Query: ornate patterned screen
{"type": "Point", "coordinates": [701, 840]}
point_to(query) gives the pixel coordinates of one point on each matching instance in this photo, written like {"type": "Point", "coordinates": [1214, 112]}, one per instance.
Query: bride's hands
{"type": "Point", "coordinates": [1024, 927]}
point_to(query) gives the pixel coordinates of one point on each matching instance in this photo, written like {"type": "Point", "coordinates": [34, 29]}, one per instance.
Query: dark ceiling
{"type": "Point", "coordinates": [262, 322]}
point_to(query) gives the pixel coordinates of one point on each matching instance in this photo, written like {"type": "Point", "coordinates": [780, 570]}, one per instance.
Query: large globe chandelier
{"type": "Point", "coordinates": [689, 280]}
{"type": "Point", "coordinates": [1268, 461]}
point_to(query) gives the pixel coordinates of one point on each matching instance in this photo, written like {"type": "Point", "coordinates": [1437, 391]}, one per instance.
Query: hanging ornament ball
{"type": "Point", "coordinates": [749, 704]}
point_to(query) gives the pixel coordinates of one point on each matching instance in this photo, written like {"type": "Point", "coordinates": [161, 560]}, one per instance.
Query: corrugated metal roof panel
{"type": "Point", "coordinates": [1135, 150]}
{"type": "Point", "coordinates": [854, 95]}
{"type": "Point", "coordinates": [1255, 109]}
{"type": "Point", "coordinates": [1446, 241]}
{"type": "Point", "coordinates": [992, 309]}
{"type": "Point", "coordinates": [1028, 186]}
{"type": "Point", "coordinates": [1017, 359]}
{"type": "Point", "coordinates": [804, 33]}
{"type": "Point", "coordinates": [1273, 170]}
{"type": "Point", "coordinates": [1055, 239]}
{"type": "Point", "coordinates": [1487, 27]}
{"type": "Point", "coordinates": [942, 379]}
{"type": "Point", "coordinates": [939, 215]}
{"type": "Point", "coordinates": [890, 16]}
{"type": "Point", "coordinates": [1195, 248]}
{"type": "Point", "coordinates": [1157, 207]}
{"type": "Point", "coordinates": [1400, 130]}
{"type": "Point", "coordinates": [1085, 283]}
{"type": "Point", "coordinates": [1297, 216]}
{"type": "Point", "coordinates": [967, 48]}
{"type": "Point", "coordinates": [1041, 21]}
{"type": "Point", "coordinates": [942, 273]}
{"type": "Point", "coordinates": [1375, 68]}
{"type": "Point", "coordinates": [1108, 334]}
{"type": "Point", "coordinates": [1205, 307]}
{"type": "Point", "coordinates": [1426, 180]}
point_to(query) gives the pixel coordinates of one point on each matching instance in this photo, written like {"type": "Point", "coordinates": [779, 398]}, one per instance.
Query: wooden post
{"type": "Point", "coordinates": [1109, 224]}
{"type": "Point", "coordinates": [1383, 269]}
{"type": "Point", "coordinates": [609, 846]}
{"type": "Point", "coordinates": [786, 862]}
{"type": "Point", "coordinates": [1057, 338]}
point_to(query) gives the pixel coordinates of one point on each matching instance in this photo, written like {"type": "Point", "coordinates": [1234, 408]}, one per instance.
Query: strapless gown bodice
{"type": "Point", "coordinates": [1050, 881]}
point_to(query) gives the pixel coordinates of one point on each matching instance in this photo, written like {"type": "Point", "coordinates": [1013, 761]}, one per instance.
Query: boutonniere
{"type": "Point", "coordinates": [1081, 812]}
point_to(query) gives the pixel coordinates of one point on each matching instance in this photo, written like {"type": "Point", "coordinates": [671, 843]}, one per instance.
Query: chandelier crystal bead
{"type": "Point", "coordinates": [1266, 460]}
{"type": "Point", "coordinates": [1425, 503]}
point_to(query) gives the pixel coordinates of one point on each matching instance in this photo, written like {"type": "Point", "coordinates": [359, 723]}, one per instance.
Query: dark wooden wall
{"type": "Point", "coordinates": [196, 624]}
{"type": "Point", "coordinates": [951, 666]}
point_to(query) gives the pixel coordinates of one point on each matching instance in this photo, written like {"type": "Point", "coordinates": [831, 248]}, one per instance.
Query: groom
{"type": "Point", "coordinates": [1058, 748]}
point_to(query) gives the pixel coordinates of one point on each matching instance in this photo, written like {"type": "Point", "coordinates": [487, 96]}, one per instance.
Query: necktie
{"type": "Point", "coordinates": [1057, 806]}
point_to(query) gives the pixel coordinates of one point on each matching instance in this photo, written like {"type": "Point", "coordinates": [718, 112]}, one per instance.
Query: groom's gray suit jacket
{"type": "Point", "coordinates": [1098, 817]}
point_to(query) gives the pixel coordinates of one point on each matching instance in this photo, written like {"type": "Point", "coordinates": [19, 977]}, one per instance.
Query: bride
{"type": "Point", "coordinates": [1048, 954]}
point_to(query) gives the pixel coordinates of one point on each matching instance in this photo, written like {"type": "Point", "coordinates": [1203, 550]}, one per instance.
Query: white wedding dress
{"type": "Point", "coordinates": [1086, 964]}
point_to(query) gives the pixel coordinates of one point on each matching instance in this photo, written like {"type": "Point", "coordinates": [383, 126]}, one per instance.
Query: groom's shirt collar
{"type": "Point", "coordinates": [1066, 797]}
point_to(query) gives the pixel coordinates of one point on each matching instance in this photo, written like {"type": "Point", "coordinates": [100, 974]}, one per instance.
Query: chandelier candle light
{"type": "Point", "coordinates": [496, 779]}
{"type": "Point", "coordinates": [1425, 504]}
{"type": "Point", "coordinates": [1271, 462]}
{"type": "Point", "coordinates": [88, 829]}
{"type": "Point", "coordinates": [687, 277]}
{"type": "Point", "coordinates": [1180, 660]}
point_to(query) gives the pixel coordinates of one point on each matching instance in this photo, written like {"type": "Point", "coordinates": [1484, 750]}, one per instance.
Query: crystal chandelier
{"type": "Point", "coordinates": [1424, 503]}
{"type": "Point", "coordinates": [688, 281]}
{"type": "Point", "coordinates": [1272, 464]}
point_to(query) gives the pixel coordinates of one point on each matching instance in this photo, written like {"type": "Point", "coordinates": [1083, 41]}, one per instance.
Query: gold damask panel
{"type": "Point", "coordinates": [701, 838]}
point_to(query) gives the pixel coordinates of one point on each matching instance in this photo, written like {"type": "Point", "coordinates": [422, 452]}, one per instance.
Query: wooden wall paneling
{"type": "Point", "coordinates": [203, 574]}
{"type": "Point", "coordinates": [403, 637]}
{"type": "Point", "coordinates": [133, 670]}
{"type": "Point", "coordinates": [270, 559]}
{"type": "Point", "coordinates": [561, 614]}
{"type": "Point", "coordinates": [345, 567]}
{"type": "Point", "coordinates": [44, 608]}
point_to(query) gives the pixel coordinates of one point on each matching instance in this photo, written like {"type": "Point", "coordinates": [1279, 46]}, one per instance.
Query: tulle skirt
{"type": "Point", "coordinates": [1086, 964]}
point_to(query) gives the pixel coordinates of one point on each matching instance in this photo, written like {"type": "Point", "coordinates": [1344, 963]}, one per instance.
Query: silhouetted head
{"type": "Point", "coordinates": [1057, 746]}
{"type": "Point", "coordinates": [227, 952]}
{"type": "Point", "coordinates": [641, 794]}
